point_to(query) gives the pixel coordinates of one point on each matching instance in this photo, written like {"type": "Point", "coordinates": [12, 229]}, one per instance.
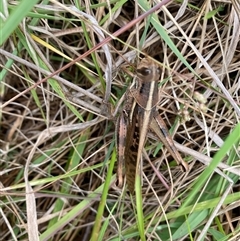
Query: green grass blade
{"type": "Point", "coordinates": [14, 19]}
{"type": "Point", "coordinates": [139, 206]}
{"type": "Point", "coordinates": [218, 157]}
{"type": "Point", "coordinates": [162, 32]}
{"type": "Point", "coordinates": [75, 211]}
{"type": "Point", "coordinates": [98, 219]}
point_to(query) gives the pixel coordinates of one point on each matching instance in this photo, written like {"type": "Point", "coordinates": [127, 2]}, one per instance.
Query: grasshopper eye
{"type": "Point", "coordinates": [144, 71]}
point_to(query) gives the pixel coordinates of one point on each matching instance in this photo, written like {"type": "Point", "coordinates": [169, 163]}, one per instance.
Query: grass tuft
{"type": "Point", "coordinates": [57, 137]}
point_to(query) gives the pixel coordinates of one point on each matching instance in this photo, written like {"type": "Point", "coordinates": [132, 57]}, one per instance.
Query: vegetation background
{"type": "Point", "coordinates": [57, 136]}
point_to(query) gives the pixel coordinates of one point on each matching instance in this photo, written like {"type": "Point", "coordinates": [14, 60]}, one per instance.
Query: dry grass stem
{"type": "Point", "coordinates": [57, 137]}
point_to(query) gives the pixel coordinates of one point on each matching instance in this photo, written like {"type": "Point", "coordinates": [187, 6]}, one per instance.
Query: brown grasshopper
{"type": "Point", "coordinates": [138, 115]}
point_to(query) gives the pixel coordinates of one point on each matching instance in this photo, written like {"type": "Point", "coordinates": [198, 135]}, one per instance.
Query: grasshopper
{"type": "Point", "coordinates": [138, 115]}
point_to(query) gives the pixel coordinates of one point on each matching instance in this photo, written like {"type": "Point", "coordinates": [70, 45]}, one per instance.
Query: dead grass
{"type": "Point", "coordinates": [57, 139]}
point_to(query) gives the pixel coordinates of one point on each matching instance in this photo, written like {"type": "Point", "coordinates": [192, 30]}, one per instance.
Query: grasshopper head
{"type": "Point", "coordinates": [148, 70]}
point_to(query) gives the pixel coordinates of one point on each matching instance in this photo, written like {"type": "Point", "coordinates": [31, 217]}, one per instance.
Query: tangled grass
{"type": "Point", "coordinates": [58, 158]}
